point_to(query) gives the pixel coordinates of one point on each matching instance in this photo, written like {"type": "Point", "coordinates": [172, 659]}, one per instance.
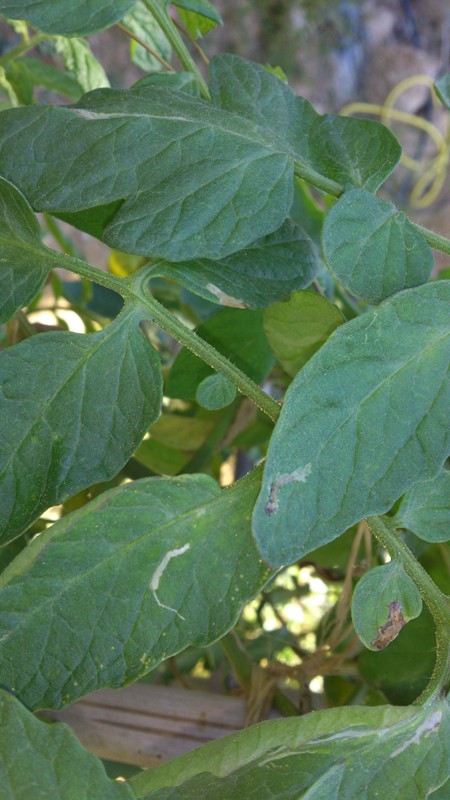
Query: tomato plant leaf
{"type": "Point", "coordinates": [198, 16]}
{"type": "Point", "coordinates": [130, 579]}
{"type": "Point", "coordinates": [267, 270]}
{"type": "Point", "coordinates": [215, 391]}
{"type": "Point", "coordinates": [64, 16]}
{"type": "Point", "coordinates": [403, 669]}
{"type": "Point", "coordinates": [372, 248]}
{"type": "Point", "coordinates": [24, 261]}
{"type": "Point", "coordinates": [384, 600]}
{"type": "Point", "coordinates": [40, 761]}
{"type": "Point", "coordinates": [424, 509]}
{"type": "Point", "coordinates": [238, 335]}
{"type": "Point", "coordinates": [353, 152]}
{"type": "Point", "coordinates": [338, 754]}
{"type": "Point", "coordinates": [201, 7]}
{"type": "Point", "coordinates": [298, 328]}
{"type": "Point", "coordinates": [80, 62]}
{"type": "Point", "coordinates": [142, 23]}
{"type": "Point", "coordinates": [161, 200]}
{"type": "Point", "coordinates": [374, 401]}
{"type": "Point", "coordinates": [73, 409]}
{"type": "Point", "coordinates": [26, 74]}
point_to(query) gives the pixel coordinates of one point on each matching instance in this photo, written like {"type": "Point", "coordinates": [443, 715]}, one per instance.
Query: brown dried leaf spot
{"type": "Point", "coordinates": [388, 632]}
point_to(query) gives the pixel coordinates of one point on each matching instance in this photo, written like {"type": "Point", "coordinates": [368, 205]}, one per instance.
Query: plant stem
{"type": "Point", "coordinates": [64, 242]}
{"type": "Point", "coordinates": [168, 28]}
{"type": "Point", "coordinates": [191, 39]}
{"type": "Point", "coordinates": [316, 179]}
{"type": "Point", "coordinates": [136, 287]}
{"type": "Point", "coordinates": [23, 47]}
{"type": "Point", "coordinates": [437, 602]}
{"type": "Point", "coordinates": [146, 47]}
{"type": "Point", "coordinates": [435, 240]}
{"type": "Point", "coordinates": [209, 354]}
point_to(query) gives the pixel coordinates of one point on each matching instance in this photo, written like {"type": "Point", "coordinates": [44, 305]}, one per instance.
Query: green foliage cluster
{"type": "Point", "coordinates": [235, 208]}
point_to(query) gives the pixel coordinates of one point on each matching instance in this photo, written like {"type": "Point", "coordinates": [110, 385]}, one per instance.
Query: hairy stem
{"type": "Point", "coordinates": [437, 602]}
{"type": "Point", "coordinates": [165, 23]}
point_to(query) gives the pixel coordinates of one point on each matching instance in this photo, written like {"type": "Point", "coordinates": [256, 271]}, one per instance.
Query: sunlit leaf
{"type": "Point", "coordinates": [341, 754]}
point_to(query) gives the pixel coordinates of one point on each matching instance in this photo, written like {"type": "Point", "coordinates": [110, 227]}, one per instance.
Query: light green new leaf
{"type": "Point", "coordinates": [215, 392]}
{"type": "Point", "coordinates": [201, 7]}
{"type": "Point", "coordinates": [134, 577]}
{"type": "Point", "coordinates": [24, 261]}
{"type": "Point", "coordinates": [73, 408]}
{"type": "Point", "coordinates": [362, 422]}
{"type": "Point", "coordinates": [267, 270]}
{"type": "Point", "coordinates": [238, 335]}
{"type": "Point", "coordinates": [154, 196]}
{"type": "Point", "coordinates": [40, 761]}
{"type": "Point", "coordinates": [350, 151]}
{"type": "Point", "coordinates": [339, 754]}
{"type": "Point", "coordinates": [425, 509]}
{"type": "Point", "coordinates": [442, 87]}
{"type": "Point", "coordinates": [372, 248]}
{"type": "Point", "coordinates": [69, 17]}
{"type": "Point", "coordinates": [298, 328]}
{"type": "Point", "coordinates": [80, 62]}
{"type": "Point", "coordinates": [142, 23]}
{"type": "Point", "coordinates": [384, 600]}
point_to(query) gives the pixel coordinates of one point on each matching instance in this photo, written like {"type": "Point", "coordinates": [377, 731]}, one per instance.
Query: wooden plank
{"type": "Point", "coordinates": [146, 725]}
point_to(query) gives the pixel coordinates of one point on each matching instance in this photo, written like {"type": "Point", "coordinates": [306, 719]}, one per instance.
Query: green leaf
{"type": "Point", "coordinates": [215, 392]}
{"type": "Point", "coordinates": [198, 16]}
{"type": "Point", "coordinates": [238, 335]}
{"type": "Point", "coordinates": [42, 761]}
{"type": "Point", "coordinates": [96, 601]}
{"type": "Point", "coordinates": [298, 328]}
{"type": "Point", "coordinates": [402, 670]}
{"type": "Point", "coordinates": [384, 600]}
{"type": "Point", "coordinates": [81, 63]}
{"type": "Point", "coordinates": [338, 754]}
{"type": "Point", "coordinates": [424, 510]}
{"type": "Point", "coordinates": [353, 152]}
{"type": "Point", "coordinates": [25, 74]}
{"type": "Point", "coordinates": [201, 7]}
{"type": "Point", "coordinates": [24, 261]}
{"type": "Point", "coordinates": [59, 432]}
{"type": "Point", "coordinates": [162, 200]}
{"type": "Point", "coordinates": [362, 422]}
{"type": "Point", "coordinates": [442, 87]}
{"type": "Point", "coordinates": [141, 22]}
{"type": "Point", "coordinates": [64, 16]}
{"type": "Point", "coordinates": [372, 248]}
{"type": "Point", "coordinates": [267, 270]}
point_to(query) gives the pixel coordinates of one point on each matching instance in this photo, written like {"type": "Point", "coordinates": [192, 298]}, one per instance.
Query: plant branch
{"type": "Point", "coordinates": [146, 47]}
{"type": "Point", "coordinates": [435, 240]}
{"type": "Point", "coordinates": [168, 28]}
{"type": "Point", "coordinates": [135, 287]}
{"type": "Point", "coordinates": [191, 39]}
{"type": "Point", "coordinates": [437, 602]}
{"type": "Point", "coordinates": [207, 353]}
